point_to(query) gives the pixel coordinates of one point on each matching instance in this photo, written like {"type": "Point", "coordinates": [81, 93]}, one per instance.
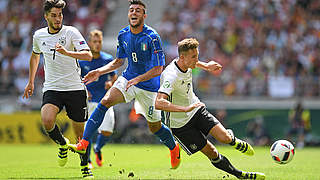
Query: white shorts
{"type": "Point", "coordinates": [108, 121]}
{"type": "Point", "coordinates": [144, 100]}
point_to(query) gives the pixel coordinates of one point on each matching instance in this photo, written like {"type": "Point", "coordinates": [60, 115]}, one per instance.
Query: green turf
{"type": "Point", "coordinates": [150, 162]}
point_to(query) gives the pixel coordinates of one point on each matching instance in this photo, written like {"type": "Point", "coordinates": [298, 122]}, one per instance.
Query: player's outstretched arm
{"type": "Point", "coordinates": [33, 66]}
{"type": "Point", "coordinates": [94, 74]}
{"type": "Point", "coordinates": [163, 104]}
{"type": "Point", "coordinates": [154, 72]}
{"type": "Point", "coordinates": [210, 66]}
{"type": "Point", "coordinates": [83, 54]}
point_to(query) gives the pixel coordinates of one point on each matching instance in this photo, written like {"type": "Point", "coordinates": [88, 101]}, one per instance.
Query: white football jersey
{"type": "Point", "coordinates": [62, 73]}
{"type": "Point", "coordinates": [178, 86]}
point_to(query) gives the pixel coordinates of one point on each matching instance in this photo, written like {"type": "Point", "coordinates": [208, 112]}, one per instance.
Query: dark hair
{"type": "Point", "coordinates": [49, 4]}
{"type": "Point", "coordinates": [186, 44]}
{"type": "Point", "coordinates": [139, 2]}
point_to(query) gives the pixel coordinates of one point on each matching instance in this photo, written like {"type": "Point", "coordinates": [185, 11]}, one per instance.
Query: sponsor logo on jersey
{"type": "Point", "coordinates": [166, 84]}
{"type": "Point", "coordinates": [82, 42]}
{"type": "Point", "coordinates": [125, 43]}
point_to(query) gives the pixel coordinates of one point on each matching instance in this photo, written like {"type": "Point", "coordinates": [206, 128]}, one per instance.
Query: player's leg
{"type": "Point", "coordinates": [222, 163]}
{"type": "Point", "coordinates": [51, 106]}
{"type": "Point", "coordinates": [77, 111]}
{"type": "Point", "coordinates": [115, 95]}
{"type": "Point", "coordinates": [227, 137]}
{"type": "Point", "coordinates": [105, 131]}
{"type": "Point", "coordinates": [144, 104]}
{"type": "Point", "coordinates": [86, 172]}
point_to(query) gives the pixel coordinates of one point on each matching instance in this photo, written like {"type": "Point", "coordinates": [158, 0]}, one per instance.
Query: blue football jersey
{"type": "Point", "coordinates": [144, 51]}
{"type": "Point", "coordinates": [97, 88]}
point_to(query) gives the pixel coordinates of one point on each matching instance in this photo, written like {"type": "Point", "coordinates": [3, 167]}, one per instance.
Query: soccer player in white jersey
{"type": "Point", "coordinates": [188, 118]}
{"type": "Point", "coordinates": [61, 46]}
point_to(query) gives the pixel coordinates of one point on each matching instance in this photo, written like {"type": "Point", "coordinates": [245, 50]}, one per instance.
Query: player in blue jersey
{"type": "Point", "coordinates": [141, 45]}
{"type": "Point", "coordinates": [97, 90]}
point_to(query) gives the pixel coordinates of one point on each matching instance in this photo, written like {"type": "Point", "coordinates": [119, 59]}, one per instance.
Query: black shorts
{"type": "Point", "coordinates": [193, 136]}
{"type": "Point", "coordinates": [75, 103]}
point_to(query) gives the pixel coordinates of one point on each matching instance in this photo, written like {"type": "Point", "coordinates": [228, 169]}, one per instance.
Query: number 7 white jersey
{"type": "Point", "coordinates": [178, 86]}
{"type": "Point", "coordinates": [62, 73]}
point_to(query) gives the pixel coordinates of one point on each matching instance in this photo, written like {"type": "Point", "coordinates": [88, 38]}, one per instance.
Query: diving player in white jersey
{"type": "Point", "coordinates": [188, 118]}
{"type": "Point", "coordinates": [61, 46]}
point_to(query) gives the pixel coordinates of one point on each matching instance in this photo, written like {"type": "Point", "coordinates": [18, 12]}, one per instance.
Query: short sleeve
{"type": "Point", "coordinates": [78, 41]}
{"type": "Point", "coordinates": [120, 50]}
{"type": "Point", "coordinates": [167, 83]}
{"type": "Point", "coordinates": [35, 46]}
{"type": "Point", "coordinates": [158, 57]}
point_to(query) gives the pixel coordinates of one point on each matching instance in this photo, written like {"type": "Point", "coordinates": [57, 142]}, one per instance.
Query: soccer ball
{"type": "Point", "coordinates": [282, 151]}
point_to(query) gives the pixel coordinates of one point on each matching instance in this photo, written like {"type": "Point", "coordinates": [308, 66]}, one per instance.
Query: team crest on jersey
{"type": "Point", "coordinates": [144, 46]}
{"type": "Point", "coordinates": [62, 41]}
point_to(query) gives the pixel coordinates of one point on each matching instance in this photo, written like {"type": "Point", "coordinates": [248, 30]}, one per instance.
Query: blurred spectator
{"type": "Point", "coordinates": [253, 40]}
{"type": "Point", "coordinates": [300, 124]}
{"type": "Point", "coordinates": [257, 133]}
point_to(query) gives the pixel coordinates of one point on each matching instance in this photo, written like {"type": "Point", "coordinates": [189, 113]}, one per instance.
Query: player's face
{"type": "Point", "coordinates": [136, 15]}
{"type": "Point", "coordinates": [54, 18]}
{"type": "Point", "coordinates": [191, 58]}
{"type": "Point", "coordinates": [95, 44]}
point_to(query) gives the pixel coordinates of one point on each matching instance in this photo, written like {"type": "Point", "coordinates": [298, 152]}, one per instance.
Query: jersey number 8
{"type": "Point", "coordinates": [134, 57]}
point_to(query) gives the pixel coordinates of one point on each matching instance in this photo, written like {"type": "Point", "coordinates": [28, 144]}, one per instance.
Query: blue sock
{"type": "Point", "coordinates": [89, 149]}
{"type": "Point", "coordinates": [94, 121]}
{"type": "Point", "coordinates": [101, 141]}
{"type": "Point", "coordinates": [166, 137]}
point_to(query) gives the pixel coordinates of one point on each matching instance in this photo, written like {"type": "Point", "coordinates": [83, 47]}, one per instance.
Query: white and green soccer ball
{"type": "Point", "coordinates": [282, 151]}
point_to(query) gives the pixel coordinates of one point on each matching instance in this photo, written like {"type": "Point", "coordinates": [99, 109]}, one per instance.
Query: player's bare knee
{"type": "Point", "coordinates": [48, 123]}
{"type": "Point", "coordinates": [154, 126]}
{"type": "Point", "coordinates": [106, 133]}
{"type": "Point", "coordinates": [107, 102]}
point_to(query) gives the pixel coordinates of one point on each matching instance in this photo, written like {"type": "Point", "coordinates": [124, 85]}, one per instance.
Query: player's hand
{"type": "Point", "coordinates": [61, 49]}
{"type": "Point", "coordinates": [213, 66]}
{"type": "Point", "coordinates": [91, 76]}
{"type": "Point", "coordinates": [194, 105]}
{"type": "Point", "coordinates": [28, 90]}
{"type": "Point", "coordinates": [132, 82]}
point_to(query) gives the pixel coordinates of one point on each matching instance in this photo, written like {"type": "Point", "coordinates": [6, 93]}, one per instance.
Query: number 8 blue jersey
{"type": "Point", "coordinates": [144, 51]}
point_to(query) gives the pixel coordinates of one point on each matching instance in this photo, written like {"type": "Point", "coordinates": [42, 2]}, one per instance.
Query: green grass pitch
{"type": "Point", "coordinates": [151, 162]}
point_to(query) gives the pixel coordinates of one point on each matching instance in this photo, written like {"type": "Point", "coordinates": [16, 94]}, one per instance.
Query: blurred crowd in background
{"type": "Point", "coordinates": [21, 18]}
{"type": "Point", "coordinates": [267, 47]}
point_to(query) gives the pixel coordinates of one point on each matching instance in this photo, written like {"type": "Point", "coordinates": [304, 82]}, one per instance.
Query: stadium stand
{"type": "Point", "coordinates": [268, 48]}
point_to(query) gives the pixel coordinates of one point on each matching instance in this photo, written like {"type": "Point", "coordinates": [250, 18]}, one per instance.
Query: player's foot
{"type": "Point", "coordinates": [86, 172]}
{"type": "Point", "coordinates": [63, 153]}
{"type": "Point", "coordinates": [99, 158]}
{"type": "Point", "coordinates": [252, 175]}
{"type": "Point", "coordinates": [79, 148]}
{"type": "Point", "coordinates": [244, 147]}
{"type": "Point", "coordinates": [90, 165]}
{"type": "Point", "coordinates": [241, 146]}
{"type": "Point", "coordinates": [175, 157]}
